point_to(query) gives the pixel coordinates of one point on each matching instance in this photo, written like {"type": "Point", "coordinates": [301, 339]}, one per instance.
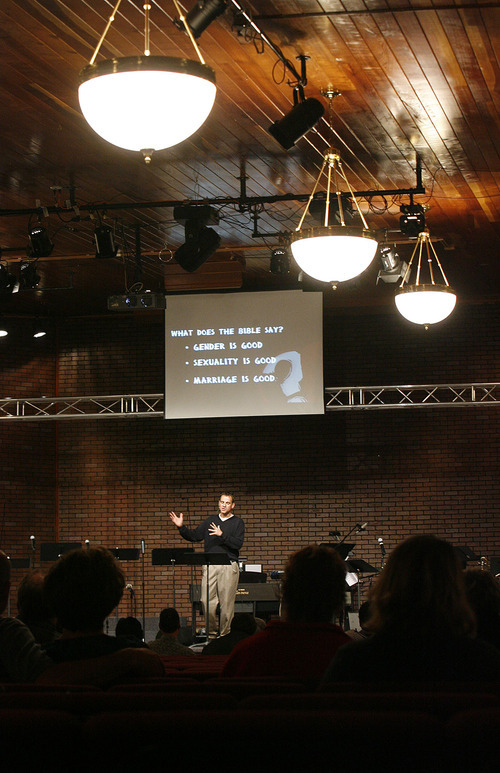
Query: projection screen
{"type": "Point", "coordinates": [244, 354]}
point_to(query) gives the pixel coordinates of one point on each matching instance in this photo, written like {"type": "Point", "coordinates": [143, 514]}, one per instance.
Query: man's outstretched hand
{"type": "Point", "coordinates": [177, 520]}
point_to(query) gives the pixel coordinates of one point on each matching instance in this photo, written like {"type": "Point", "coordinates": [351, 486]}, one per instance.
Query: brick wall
{"type": "Point", "coordinates": [28, 468]}
{"type": "Point", "coordinates": [294, 479]}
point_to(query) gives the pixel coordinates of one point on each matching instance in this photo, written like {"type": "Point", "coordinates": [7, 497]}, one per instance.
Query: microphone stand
{"type": "Point", "coordinates": [143, 550]}
{"type": "Point", "coordinates": [382, 549]}
{"type": "Point", "coordinates": [130, 589]}
{"type": "Point", "coordinates": [357, 528]}
{"type": "Point", "coordinates": [32, 539]}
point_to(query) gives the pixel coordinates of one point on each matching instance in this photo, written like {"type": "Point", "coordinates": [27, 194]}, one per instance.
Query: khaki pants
{"type": "Point", "coordinates": [223, 582]}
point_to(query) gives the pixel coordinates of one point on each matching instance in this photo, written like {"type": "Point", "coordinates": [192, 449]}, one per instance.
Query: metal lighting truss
{"type": "Point", "coordinates": [93, 407]}
{"type": "Point", "coordinates": [411, 396]}
{"type": "Point", "coordinates": [336, 399]}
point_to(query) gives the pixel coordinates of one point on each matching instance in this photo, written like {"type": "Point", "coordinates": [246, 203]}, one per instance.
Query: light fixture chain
{"type": "Point", "coordinates": [188, 30]}
{"type": "Point", "coordinates": [336, 171]}
{"type": "Point", "coordinates": [439, 264]}
{"type": "Point", "coordinates": [108, 25]}
{"type": "Point", "coordinates": [429, 262]}
{"type": "Point", "coordinates": [420, 245]}
{"type": "Point", "coordinates": [306, 210]}
{"type": "Point", "coordinates": [408, 269]}
{"type": "Point", "coordinates": [327, 206]}
{"type": "Point", "coordinates": [353, 197]}
{"type": "Point", "coordinates": [147, 8]}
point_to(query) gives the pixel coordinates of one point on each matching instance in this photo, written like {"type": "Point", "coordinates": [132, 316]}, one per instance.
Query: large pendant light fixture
{"type": "Point", "coordinates": [333, 253]}
{"type": "Point", "coordinates": [426, 301]}
{"type": "Point", "coordinates": [146, 103]}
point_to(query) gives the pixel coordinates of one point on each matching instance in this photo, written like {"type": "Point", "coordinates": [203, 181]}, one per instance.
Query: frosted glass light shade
{"type": "Point", "coordinates": [146, 102]}
{"type": "Point", "coordinates": [333, 253]}
{"type": "Point", "coordinates": [425, 304]}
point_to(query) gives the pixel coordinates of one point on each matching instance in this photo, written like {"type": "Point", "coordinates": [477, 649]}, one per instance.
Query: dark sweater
{"type": "Point", "coordinates": [396, 657]}
{"type": "Point", "coordinates": [233, 532]}
{"type": "Point", "coordinates": [84, 647]}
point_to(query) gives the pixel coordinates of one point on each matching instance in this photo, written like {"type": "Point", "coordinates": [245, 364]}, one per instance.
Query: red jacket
{"type": "Point", "coordinates": [283, 649]}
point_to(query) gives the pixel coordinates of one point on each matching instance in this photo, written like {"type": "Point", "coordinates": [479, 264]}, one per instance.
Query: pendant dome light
{"type": "Point", "coordinates": [333, 253]}
{"type": "Point", "coordinates": [425, 302]}
{"type": "Point", "coordinates": [168, 98]}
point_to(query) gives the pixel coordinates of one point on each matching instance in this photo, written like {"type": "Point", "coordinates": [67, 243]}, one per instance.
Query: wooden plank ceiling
{"type": "Point", "coordinates": [418, 78]}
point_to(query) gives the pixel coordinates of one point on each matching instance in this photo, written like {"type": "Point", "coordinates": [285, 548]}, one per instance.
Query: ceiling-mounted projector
{"type": "Point", "coordinates": [136, 301]}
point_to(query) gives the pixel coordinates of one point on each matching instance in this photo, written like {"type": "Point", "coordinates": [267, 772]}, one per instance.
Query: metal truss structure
{"type": "Point", "coordinates": [336, 399]}
{"type": "Point", "coordinates": [94, 407]}
{"type": "Point", "coordinates": [412, 396]}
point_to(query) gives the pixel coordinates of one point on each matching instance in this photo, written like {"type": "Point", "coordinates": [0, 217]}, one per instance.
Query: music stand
{"type": "Point", "coordinates": [173, 556]}
{"type": "Point", "coordinates": [206, 559]}
{"type": "Point", "coordinates": [360, 566]}
{"type": "Point", "coordinates": [19, 563]}
{"type": "Point", "coordinates": [125, 554]}
{"type": "Point", "coordinates": [342, 548]}
{"type": "Point", "coordinates": [51, 551]}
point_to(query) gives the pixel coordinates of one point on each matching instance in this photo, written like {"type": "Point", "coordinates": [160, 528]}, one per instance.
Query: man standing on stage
{"type": "Point", "coordinates": [222, 534]}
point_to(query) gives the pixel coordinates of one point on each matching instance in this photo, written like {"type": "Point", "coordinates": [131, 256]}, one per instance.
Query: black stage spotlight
{"type": "Point", "coordinates": [393, 268]}
{"type": "Point", "coordinates": [8, 282]}
{"type": "Point", "coordinates": [303, 116]}
{"type": "Point", "coordinates": [280, 262]}
{"type": "Point", "coordinates": [203, 13]}
{"type": "Point", "coordinates": [412, 220]}
{"type": "Point", "coordinates": [201, 242]}
{"type": "Point", "coordinates": [40, 242]}
{"type": "Point", "coordinates": [28, 277]}
{"type": "Point", "coordinates": [104, 242]}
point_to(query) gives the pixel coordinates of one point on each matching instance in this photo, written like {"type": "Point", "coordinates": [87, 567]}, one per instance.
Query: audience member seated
{"type": "Point", "coordinates": [32, 609]}
{"type": "Point", "coordinates": [166, 643]}
{"type": "Point", "coordinates": [243, 624]}
{"type": "Point", "coordinates": [423, 626]}
{"type": "Point", "coordinates": [364, 616]}
{"type": "Point", "coordinates": [23, 660]}
{"type": "Point", "coordinates": [483, 594]}
{"type": "Point", "coordinates": [130, 628]}
{"type": "Point", "coordinates": [81, 589]}
{"type": "Point", "coordinates": [301, 644]}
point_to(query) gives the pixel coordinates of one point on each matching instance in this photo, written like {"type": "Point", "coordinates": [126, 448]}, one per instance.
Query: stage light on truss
{"type": "Point", "coordinates": [393, 268]}
{"type": "Point", "coordinates": [303, 116]}
{"type": "Point", "coordinates": [412, 219]}
{"type": "Point", "coordinates": [202, 14]}
{"type": "Point", "coordinates": [280, 261]}
{"type": "Point", "coordinates": [28, 276]}
{"type": "Point", "coordinates": [40, 243]}
{"type": "Point", "coordinates": [9, 284]}
{"type": "Point", "coordinates": [201, 241]}
{"type": "Point", "coordinates": [104, 242]}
